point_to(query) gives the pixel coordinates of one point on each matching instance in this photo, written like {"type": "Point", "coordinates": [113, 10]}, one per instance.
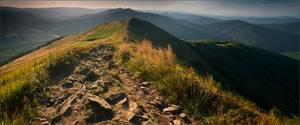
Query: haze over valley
{"type": "Point", "coordinates": [116, 62]}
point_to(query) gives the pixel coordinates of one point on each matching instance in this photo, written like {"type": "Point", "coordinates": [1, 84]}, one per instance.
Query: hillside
{"type": "Point", "coordinates": [199, 96]}
{"type": "Point", "coordinates": [55, 22]}
{"type": "Point", "coordinates": [292, 27]}
{"type": "Point", "coordinates": [197, 19]}
{"type": "Point", "coordinates": [262, 20]}
{"type": "Point", "coordinates": [258, 36]}
{"type": "Point", "coordinates": [227, 61]}
{"type": "Point", "coordinates": [180, 28]}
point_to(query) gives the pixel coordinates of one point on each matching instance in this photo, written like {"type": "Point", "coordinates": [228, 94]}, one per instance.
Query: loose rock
{"type": "Point", "coordinates": [172, 109]}
{"type": "Point", "coordinates": [145, 83]}
{"type": "Point", "coordinates": [97, 109]}
{"type": "Point", "coordinates": [144, 118]}
{"type": "Point", "coordinates": [182, 115]}
{"type": "Point", "coordinates": [91, 76]}
{"type": "Point", "coordinates": [115, 98]}
{"type": "Point", "coordinates": [133, 112]}
{"type": "Point", "coordinates": [107, 58]}
{"type": "Point", "coordinates": [177, 122]}
{"type": "Point", "coordinates": [82, 70]}
{"type": "Point", "coordinates": [102, 103]}
{"type": "Point", "coordinates": [45, 123]}
{"type": "Point", "coordinates": [67, 84]}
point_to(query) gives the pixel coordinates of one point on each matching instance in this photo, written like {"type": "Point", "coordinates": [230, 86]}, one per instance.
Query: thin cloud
{"type": "Point", "coordinates": [201, 7]}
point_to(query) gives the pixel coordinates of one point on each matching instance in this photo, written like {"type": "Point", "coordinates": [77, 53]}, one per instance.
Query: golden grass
{"type": "Point", "coordinates": [200, 95]}
{"type": "Point", "coordinates": [19, 85]}
{"type": "Point", "coordinates": [21, 79]}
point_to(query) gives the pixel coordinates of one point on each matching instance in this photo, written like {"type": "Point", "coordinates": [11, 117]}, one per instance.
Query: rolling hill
{"type": "Point", "coordinates": [292, 27]}
{"type": "Point", "coordinates": [267, 78]}
{"type": "Point", "coordinates": [262, 20]}
{"type": "Point", "coordinates": [21, 31]}
{"type": "Point", "coordinates": [54, 21]}
{"type": "Point", "coordinates": [197, 19]}
{"type": "Point", "coordinates": [15, 20]}
{"type": "Point", "coordinates": [180, 28]}
{"type": "Point", "coordinates": [258, 36]}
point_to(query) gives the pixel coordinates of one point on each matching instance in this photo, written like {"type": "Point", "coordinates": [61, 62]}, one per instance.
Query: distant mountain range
{"type": "Point", "coordinates": [292, 28]}
{"type": "Point", "coordinates": [262, 20]}
{"type": "Point", "coordinates": [197, 19]}
{"type": "Point", "coordinates": [258, 36]}
{"type": "Point", "coordinates": [57, 22]}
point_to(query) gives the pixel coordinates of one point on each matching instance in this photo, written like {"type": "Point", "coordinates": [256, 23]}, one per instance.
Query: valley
{"type": "Point", "coordinates": [114, 58]}
{"type": "Point", "coordinates": [184, 26]}
{"type": "Point", "coordinates": [72, 65]}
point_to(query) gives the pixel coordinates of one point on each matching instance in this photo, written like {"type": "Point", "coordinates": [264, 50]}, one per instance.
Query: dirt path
{"type": "Point", "coordinates": [99, 92]}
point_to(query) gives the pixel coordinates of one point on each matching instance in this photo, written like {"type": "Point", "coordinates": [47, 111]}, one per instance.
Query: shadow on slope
{"type": "Point", "coordinates": [267, 78]}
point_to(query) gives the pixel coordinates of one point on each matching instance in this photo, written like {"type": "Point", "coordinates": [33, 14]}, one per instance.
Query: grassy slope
{"type": "Point", "coordinates": [198, 94]}
{"type": "Point", "coordinates": [258, 36]}
{"type": "Point", "coordinates": [294, 55]}
{"type": "Point", "coordinates": [267, 78]}
{"type": "Point", "coordinates": [37, 67]}
{"type": "Point", "coordinates": [22, 79]}
{"type": "Point", "coordinates": [292, 27]}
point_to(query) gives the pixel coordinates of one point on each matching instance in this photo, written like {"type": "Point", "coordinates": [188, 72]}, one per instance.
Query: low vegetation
{"type": "Point", "coordinates": [100, 34]}
{"type": "Point", "coordinates": [18, 88]}
{"type": "Point", "coordinates": [294, 55]}
{"type": "Point", "coordinates": [22, 80]}
{"type": "Point", "coordinates": [200, 95]}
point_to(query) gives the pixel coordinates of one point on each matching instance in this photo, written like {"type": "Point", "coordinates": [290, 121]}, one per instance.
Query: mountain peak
{"type": "Point", "coordinates": [235, 22]}
{"type": "Point", "coordinates": [123, 10]}
{"type": "Point", "coordinates": [140, 29]}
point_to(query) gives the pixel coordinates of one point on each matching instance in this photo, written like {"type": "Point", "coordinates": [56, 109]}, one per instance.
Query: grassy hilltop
{"type": "Point", "coordinates": [176, 68]}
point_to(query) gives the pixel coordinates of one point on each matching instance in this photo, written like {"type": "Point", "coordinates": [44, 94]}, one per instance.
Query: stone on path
{"type": "Point", "coordinates": [172, 109]}
{"type": "Point", "coordinates": [92, 76]}
{"type": "Point", "coordinates": [182, 115]}
{"type": "Point", "coordinates": [82, 70]}
{"type": "Point", "coordinates": [133, 112]}
{"type": "Point", "coordinates": [177, 122]}
{"type": "Point", "coordinates": [102, 102]}
{"type": "Point", "coordinates": [115, 98]}
{"type": "Point", "coordinates": [67, 84]}
{"type": "Point", "coordinates": [97, 109]}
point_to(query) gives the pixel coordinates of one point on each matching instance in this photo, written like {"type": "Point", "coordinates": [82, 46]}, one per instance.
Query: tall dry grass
{"type": "Point", "coordinates": [200, 95]}
{"type": "Point", "coordinates": [177, 82]}
{"type": "Point", "coordinates": [19, 87]}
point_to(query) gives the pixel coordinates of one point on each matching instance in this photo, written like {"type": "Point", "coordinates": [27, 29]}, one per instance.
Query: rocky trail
{"type": "Point", "coordinates": [100, 92]}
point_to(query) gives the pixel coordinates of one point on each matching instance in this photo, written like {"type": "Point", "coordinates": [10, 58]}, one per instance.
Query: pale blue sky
{"type": "Point", "coordinates": [260, 8]}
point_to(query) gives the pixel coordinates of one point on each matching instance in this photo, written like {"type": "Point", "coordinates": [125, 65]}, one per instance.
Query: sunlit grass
{"type": "Point", "coordinates": [103, 33]}
{"type": "Point", "coordinates": [18, 88]}
{"type": "Point", "coordinates": [25, 77]}
{"type": "Point", "coordinates": [200, 95]}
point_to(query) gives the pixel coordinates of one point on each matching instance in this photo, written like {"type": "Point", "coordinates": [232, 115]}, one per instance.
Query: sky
{"type": "Point", "coordinates": [256, 8]}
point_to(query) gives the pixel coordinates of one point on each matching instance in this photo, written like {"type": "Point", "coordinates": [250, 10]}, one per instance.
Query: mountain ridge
{"type": "Point", "coordinates": [206, 56]}
{"type": "Point", "coordinates": [257, 35]}
{"type": "Point", "coordinates": [264, 77]}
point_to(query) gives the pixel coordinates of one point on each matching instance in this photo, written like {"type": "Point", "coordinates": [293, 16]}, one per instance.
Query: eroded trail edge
{"type": "Point", "coordinates": [100, 92]}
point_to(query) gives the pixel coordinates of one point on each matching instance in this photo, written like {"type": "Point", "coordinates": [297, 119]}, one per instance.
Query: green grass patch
{"type": "Point", "coordinates": [294, 55]}
{"type": "Point", "coordinates": [103, 33]}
